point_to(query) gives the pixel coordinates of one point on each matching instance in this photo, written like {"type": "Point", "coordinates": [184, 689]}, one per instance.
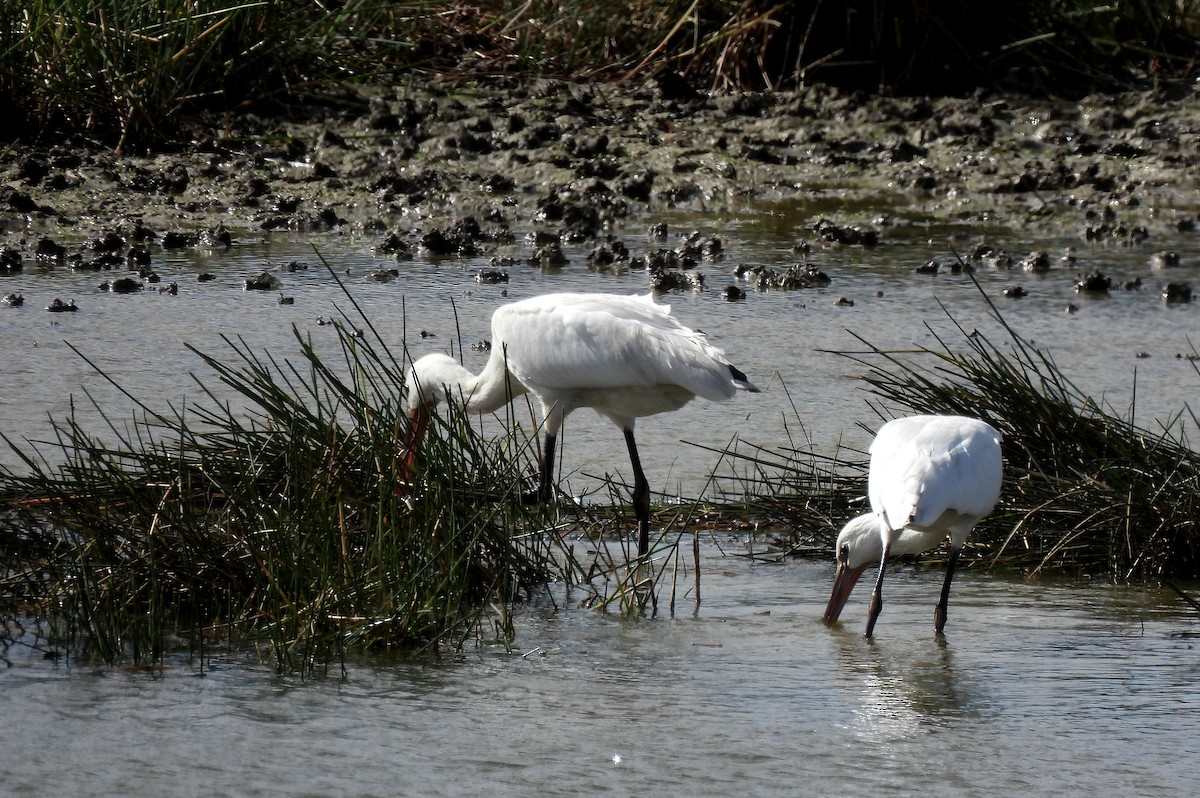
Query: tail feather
{"type": "Point", "coordinates": [742, 380]}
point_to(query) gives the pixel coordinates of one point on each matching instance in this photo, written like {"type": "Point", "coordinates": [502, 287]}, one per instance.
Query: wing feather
{"type": "Point", "coordinates": [923, 466]}
{"type": "Point", "coordinates": [559, 342]}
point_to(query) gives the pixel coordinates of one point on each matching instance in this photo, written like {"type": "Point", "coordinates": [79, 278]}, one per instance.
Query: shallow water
{"type": "Point", "coordinates": [1120, 349]}
{"type": "Point", "coordinates": [1039, 689]}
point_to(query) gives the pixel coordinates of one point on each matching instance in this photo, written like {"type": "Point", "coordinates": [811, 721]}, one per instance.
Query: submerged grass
{"type": "Point", "coordinates": [1085, 491]}
{"type": "Point", "coordinates": [273, 520]}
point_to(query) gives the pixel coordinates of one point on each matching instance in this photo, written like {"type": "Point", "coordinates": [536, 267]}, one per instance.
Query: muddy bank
{"type": "Point", "coordinates": [444, 170]}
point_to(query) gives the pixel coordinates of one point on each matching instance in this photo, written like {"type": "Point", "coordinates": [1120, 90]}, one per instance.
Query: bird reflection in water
{"type": "Point", "coordinates": [901, 692]}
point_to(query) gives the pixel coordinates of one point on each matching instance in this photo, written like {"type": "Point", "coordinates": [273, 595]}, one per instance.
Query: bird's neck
{"type": "Point", "coordinates": [492, 388]}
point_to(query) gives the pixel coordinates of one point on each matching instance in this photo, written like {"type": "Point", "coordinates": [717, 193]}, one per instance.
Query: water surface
{"type": "Point", "coordinates": [1121, 349]}
{"type": "Point", "coordinates": [1039, 688]}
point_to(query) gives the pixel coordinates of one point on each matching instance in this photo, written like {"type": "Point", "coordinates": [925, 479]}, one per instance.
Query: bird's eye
{"type": "Point", "coordinates": [844, 553]}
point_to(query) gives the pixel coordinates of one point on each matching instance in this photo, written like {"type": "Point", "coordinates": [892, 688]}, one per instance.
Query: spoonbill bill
{"type": "Point", "coordinates": [624, 356]}
{"type": "Point", "coordinates": [930, 476]}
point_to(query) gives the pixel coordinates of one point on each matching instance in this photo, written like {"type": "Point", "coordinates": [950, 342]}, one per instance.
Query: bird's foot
{"type": "Point", "coordinates": [536, 494]}
{"type": "Point", "coordinates": [939, 619]}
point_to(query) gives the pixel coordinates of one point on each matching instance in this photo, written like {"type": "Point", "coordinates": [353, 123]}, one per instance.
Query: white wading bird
{"type": "Point", "coordinates": [623, 356]}
{"type": "Point", "coordinates": [930, 476]}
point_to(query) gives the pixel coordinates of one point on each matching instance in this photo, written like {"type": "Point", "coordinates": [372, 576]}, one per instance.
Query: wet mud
{"type": "Point", "coordinates": [445, 170]}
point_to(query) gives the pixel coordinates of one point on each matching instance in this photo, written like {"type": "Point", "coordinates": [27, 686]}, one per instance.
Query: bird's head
{"type": "Point", "coordinates": [858, 545]}
{"type": "Point", "coordinates": [428, 381]}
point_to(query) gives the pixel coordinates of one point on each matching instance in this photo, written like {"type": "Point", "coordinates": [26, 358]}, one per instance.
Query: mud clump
{"type": "Point", "coordinates": [432, 171]}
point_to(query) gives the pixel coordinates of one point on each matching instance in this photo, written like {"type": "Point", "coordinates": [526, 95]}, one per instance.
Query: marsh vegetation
{"type": "Point", "coordinates": [275, 520]}
{"type": "Point", "coordinates": [141, 75]}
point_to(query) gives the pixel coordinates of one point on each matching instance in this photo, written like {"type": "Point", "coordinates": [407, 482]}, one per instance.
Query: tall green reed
{"type": "Point", "coordinates": [1085, 490]}
{"type": "Point", "coordinates": [273, 519]}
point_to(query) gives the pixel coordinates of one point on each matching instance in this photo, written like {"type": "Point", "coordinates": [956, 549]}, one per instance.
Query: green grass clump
{"type": "Point", "coordinates": [1085, 491]}
{"type": "Point", "coordinates": [105, 69]}
{"type": "Point", "coordinates": [274, 520]}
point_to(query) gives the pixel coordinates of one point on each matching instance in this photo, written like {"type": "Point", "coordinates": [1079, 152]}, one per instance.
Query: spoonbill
{"type": "Point", "coordinates": [624, 356]}
{"type": "Point", "coordinates": [930, 476]}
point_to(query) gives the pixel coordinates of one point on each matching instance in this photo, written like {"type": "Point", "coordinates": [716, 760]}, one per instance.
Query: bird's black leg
{"type": "Point", "coordinates": [546, 479]}
{"type": "Point", "coordinates": [545, 490]}
{"type": "Point", "coordinates": [877, 596]}
{"type": "Point", "coordinates": [939, 612]}
{"type": "Point", "coordinates": [641, 495]}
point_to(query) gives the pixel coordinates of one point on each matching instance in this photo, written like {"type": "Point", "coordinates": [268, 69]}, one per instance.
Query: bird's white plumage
{"type": "Point", "coordinates": [930, 476]}
{"type": "Point", "coordinates": [624, 356]}
{"type": "Point", "coordinates": [923, 467]}
{"type": "Point", "coordinates": [560, 342]}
